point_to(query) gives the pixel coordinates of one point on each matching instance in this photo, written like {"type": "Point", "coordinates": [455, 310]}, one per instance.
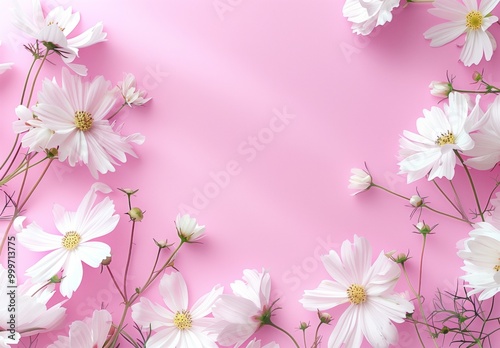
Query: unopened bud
{"type": "Point", "coordinates": [416, 201]}
{"type": "Point", "coordinates": [324, 317]}
{"type": "Point", "coordinates": [106, 261]}
{"type": "Point", "coordinates": [136, 214]}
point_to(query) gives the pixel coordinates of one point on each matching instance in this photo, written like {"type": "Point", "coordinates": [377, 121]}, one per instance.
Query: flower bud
{"type": "Point", "coordinates": [360, 180]}
{"type": "Point", "coordinates": [136, 214]}
{"type": "Point", "coordinates": [324, 317]}
{"type": "Point", "coordinates": [440, 89]}
{"type": "Point", "coordinates": [161, 244]}
{"type": "Point", "coordinates": [416, 201]}
{"type": "Point", "coordinates": [106, 261]}
{"type": "Point", "coordinates": [423, 228]}
{"type": "Point", "coordinates": [476, 76]}
{"type": "Point", "coordinates": [304, 326]}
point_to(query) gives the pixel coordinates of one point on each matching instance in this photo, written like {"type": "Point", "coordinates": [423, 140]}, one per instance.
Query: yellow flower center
{"type": "Point", "coordinates": [356, 294]}
{"type": "Point", "coordinates": [71, 240]}
{"type": "Point", "coordinates": [83, 120]}
{"type": "Point", "coordinates": [474, 20]}
{"type": "Point", "coordinates": [445, 138]}
{"type": "Point", "coordinates": [52, 22]}
{"type": "Point", "coordinates": [182, 320]}
{"type": "Point", "coordinates": [496, 268]}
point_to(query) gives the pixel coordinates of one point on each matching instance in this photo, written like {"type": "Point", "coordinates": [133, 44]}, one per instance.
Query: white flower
{"type": "Point", "coordinates": [188, 229]}
{"type": "Point", "coordinates": [440, 89]}
{"type": "Point", "coordinates": [256, 344]}
{"type": "Point", "coordinates": [74, 244]}
{"type": "Point", "coordinates": [5, 66]}
{"type": "Point", "coordinates": [130, 93]}
{"type": "Point", "coordinates": [177, 325]}
{"type": "Point", "coordinates": [33, 316]}
{"type": "Point", "coordinates": [370, 291]}
{"type": "Point", "coordinates": [360, 180]}
{"type": "Point", "coordinates": [465, 18]}
{"type": "Point", "coordinates": [54, 30]}
{"type": "Point", "coordinates": [75, 113]}
{"type": "Point", "coordinates": [481, 255]}
{"type": "Point", "coordinates": [486, 152]}
{"type": "Point", "coordinates": [365, 15]}
{"type": "Point", "coordinates": [35, 135]}
{"type": "Point", "coordinates": [89, 333]}
{"type": "Point", "coordinates": [238, 315]}
{"type": "Point", "coordinates": [431, 152]}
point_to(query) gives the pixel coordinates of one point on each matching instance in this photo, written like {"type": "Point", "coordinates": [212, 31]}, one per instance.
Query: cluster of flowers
{"type": "Point", "coordinates": [465, 17]}
{"type": "Point", "coordinates": [462, 134]}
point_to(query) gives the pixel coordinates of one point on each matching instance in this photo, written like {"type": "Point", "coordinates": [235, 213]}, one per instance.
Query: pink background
{"type": "Point", "coordinates": [217, 81]}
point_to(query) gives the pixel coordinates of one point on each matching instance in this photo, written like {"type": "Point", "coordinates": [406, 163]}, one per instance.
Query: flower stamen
{"type": "Point", "coordinates": [183, 320]}
{"type": "Point", "coordinates": [71, 240]}
{"type": "Point", "coordinates": [496, 268]}
{"type": "Point", "coordinates": [83, 120]}
{"type": "Point", "coordinates": [445, 139]}
{"type": "Point", "coordinates": [356, 294]}
{"type": "Point", "coordinates": [474, 20]}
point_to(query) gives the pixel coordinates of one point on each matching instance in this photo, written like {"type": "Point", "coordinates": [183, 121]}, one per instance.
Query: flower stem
{"type": "Point", "coordinates": [471, 184]}
{"type": "Point", "coordinates": [270, 323]}
{"type": "Point", "coordinates": [419, 302]}
{"type": "Point", "coordinates": [115, 282]}
{"type": "Point", "coordinates": [129, 256]}
{"type": "Point", "coordinates": [423, 206]}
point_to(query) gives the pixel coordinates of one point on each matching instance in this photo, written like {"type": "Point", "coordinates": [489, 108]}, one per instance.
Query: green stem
{"type": "Point", "coordinates": [446, 196]}
{"type": "Point", "coordinates": [284, 331]}
{"type": "Point", "coordinates": [117, 111]}
{"type": "Point", "coordinates": [471, 184]}
{"type": "Point", "coordinates": [36, 76]}
{"type": "Point", "coordinates": [419, 302]}
{"type": "Point", "coordinates": [423, 205]}
{"type": "Point", "coordinates": [129, 257]}
{"type": "Point", "coordinates": [19, 170]}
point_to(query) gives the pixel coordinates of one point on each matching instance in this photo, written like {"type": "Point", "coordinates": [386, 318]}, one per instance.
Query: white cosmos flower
{"type": "Point", "coordinates": [360, 180]}
{"type": "Point", "coordinates": [257, 344]}
{"type": "Point", "coordinates": [188, 229]}
{"type": "Point", "coordinates": [33, 316]}
{"type": "Point", "coordinates": [87, 333]}
{"type": "Point", "coordinates": [130, 93]}
{"type": "Point", "coordinates": [486, 152]}
{"type": "Point", "coordinates": [76, 114]}
{"type": "Point", "coordinates": [35, 135]}
{"type": "Point", "coordinates": [365, 15]}
{"type": "Point", "coordinates": [73, 245]}
{"type": "Point", "coordinates": [177, 325]}
{"type": "Point", "coordinates": [54, 30]}
{"type": "Point", "coordinates": [465, 18]}
{"type": "Point", "coordinates": [481, 255]}
{"type": "Point", "coordinates": [238, 315]}
{"type": "Point", "coordinates": [441, 132]}
{"type": "Point", "coordinates": [369, 290]}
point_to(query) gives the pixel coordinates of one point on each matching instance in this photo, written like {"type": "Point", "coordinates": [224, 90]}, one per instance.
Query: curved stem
{"type": "Point", "coordinates": [129, 256]}
{"type": "Point", "coordinates": [284, 331]}
{"type": "Point", "coordinates": [446, 196]}
{"type": "Point", "coordinates": [117, 111]}
{"type": "Point", "coordinates": [36, 76]}
{"type": "Point", "coordinates": [423, 206]}
{"type": "Point", "coordinates": [116, 283]}
{"type": "Point", "coordinates": [471, 184]}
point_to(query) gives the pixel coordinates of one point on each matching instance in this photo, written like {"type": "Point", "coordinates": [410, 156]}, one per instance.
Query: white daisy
{"type": "Point", "coordinates": [481, 255]}
{"type": "Point", "coordinates": [87, 333]}
{"type": "Point", "coordinates": [238, 315]}
{"type": "Point", "coordinates": [33, 316]}
{"type": "Point", "coordinates": [369, 290]}
{"type": "Point", "coordinates": [54, 29]}
{"type": "Point", "coordinates": [130, 93]}
{"type": "Point", "coordinates": [74, 244]}
{"type": "Point", "coordinates": [365, 15]}
{"type": "Point", "coordinates": [486, 152]}
{"type": "Point", "coordinates": [360, 180]}
{"type": "Point", "coordinates": [177, 326]}
{"type": "Point", "coordinates": [75, 112]}
{"type": "Point", "coordinates": [188, 229]}
{"type": "Point", "coordinates": [431, 152]}
{"type": "Point", "coordinates": [465, 18]}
